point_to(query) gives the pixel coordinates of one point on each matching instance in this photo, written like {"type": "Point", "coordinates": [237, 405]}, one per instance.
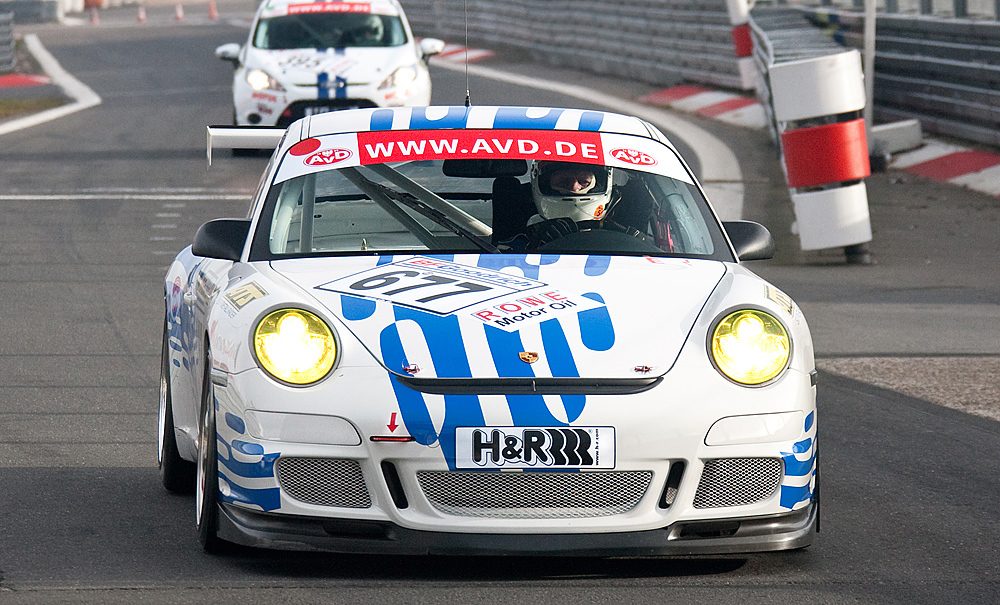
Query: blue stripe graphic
{"type": "Point", "coordinates": [561, 363]}
{"type": "Point", "coordinates": [322, 92]}
{"type": "Point", "coordinates": [236, 423]}
{"type": "Point", "coordinates": [517, 118]}
{"type": "Point", "coordinates": [267, 499]}
{"type": "Point", "coordinates": [411, 403]}
{"type": "Point", "coordinates": [381, 119]}
{"type": "Point", "coordinates": [525, 410]}
{"type": "Point", "coordinates": [596, 265]}
{"type": "Point", "coordinates": [444, 341]}
{"type": "Point", "coordinates": [591, 121]}
{"type": "Point", "coordinates": [497, 262]}
{"type": "Point", "coordinates": [356, 309]}
{"type": "Point", "coordinates": [596, 329]}
{"type": "Point", "coordinates": [455, 118]}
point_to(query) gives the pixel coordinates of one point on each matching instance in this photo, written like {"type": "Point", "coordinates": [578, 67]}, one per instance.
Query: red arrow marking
{"type": "Point", "coordinates": [392, 423]}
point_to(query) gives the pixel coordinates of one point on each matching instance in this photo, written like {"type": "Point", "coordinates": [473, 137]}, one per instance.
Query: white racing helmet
{"type": "Point", "coordinates": [580, 192]}
{"type": "Point", "coordinates": [370, 30]}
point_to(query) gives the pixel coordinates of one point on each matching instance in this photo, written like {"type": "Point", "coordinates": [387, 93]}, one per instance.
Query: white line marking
{"type": "Point", "coordinates": [83, 96]}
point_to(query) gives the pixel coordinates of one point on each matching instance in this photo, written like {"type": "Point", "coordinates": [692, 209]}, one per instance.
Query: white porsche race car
{"type": "Point", "coordinates": [304, 58]}
{"type": "Point", "coordinates": [485, 330]}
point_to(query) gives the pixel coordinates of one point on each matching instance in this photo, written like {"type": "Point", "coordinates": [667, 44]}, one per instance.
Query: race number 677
{"type": "Point", "coordinates": [390, 278]}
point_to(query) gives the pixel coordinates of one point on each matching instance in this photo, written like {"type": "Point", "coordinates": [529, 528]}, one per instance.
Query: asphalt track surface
{"type": "Point", "coordinates": [95, 204]}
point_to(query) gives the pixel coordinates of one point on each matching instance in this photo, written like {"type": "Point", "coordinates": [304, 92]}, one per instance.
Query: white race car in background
{"type": "Point", "coordinates": [399, 350]}
{"type": "Point", "coordinates": [304, 58]}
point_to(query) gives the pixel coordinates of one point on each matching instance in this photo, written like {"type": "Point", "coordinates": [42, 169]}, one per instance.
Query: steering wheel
{"type": "Point", "coordinates": [594, 237]}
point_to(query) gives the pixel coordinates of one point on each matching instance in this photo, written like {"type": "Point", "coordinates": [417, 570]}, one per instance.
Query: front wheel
{"type": "Point", "coordinates": [176, 473]}
{"type": "Point", "coordinates": [207, 483]}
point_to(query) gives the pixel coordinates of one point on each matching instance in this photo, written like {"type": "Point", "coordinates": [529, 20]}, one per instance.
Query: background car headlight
{"type": "Point", "coordinates": [295, 346]}
{"type": "Point", "coordinates": [258, 79]}
{"type": "Point", "coordinates": [750, 347]}
{"type": "Point", "coordinates": [402, 78]}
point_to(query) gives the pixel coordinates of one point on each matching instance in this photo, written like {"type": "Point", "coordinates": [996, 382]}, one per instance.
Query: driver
{"type": "Point", "coordinates": [568, 197]}
{"type": "Point", "coordinates": [369, 33]}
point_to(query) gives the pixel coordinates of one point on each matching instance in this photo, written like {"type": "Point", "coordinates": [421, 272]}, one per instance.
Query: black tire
{"type": "Point", "coordinates": [207, 482]}
{"type": "Point", "coordinates": [176, 473]}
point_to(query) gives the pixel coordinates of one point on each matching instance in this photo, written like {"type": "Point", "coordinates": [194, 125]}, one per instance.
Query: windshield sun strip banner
{"type": "Point", "coordinates": [393, 146]}
{"type": "Point", "coordinates": [307, 8]}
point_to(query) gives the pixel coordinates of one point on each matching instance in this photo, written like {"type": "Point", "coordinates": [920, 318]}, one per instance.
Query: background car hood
{"type": "Point", "coordinates": [513, 316]}
{"type": "Point", "coordinates": [301, 67]}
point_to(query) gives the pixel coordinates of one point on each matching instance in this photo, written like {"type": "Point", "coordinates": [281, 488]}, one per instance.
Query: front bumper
{"type": "Point", "coordinates": [269, 108]}
{"type": "Point", "coordinates": [705, 537]}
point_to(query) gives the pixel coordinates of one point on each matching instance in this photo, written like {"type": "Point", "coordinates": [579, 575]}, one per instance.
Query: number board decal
{"type": "Point", "coordinates": [429, 284]}
{"type": "Point", "coordinates": [529, 447]}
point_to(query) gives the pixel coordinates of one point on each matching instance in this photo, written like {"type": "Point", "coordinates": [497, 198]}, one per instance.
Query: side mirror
{"type": "Point", "coordinates": [229, 52]}
{"type": "Point", "coordinates": [751, 240]}
{"type": "Point", "coordinates": [430, 47]}
{"type": "Point", "coordinates": [222, 238]}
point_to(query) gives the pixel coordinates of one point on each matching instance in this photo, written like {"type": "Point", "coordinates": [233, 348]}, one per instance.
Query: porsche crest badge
{"type": "Point", "coordinates": [528, 356]}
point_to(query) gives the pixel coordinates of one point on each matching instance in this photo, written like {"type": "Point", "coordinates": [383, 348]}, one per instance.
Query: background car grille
{"type": "Point", "coordinates": [737, 481]}
{"type": "Point", "coordinates": [527, 495]}
{"type": "Point", "coordinates": [324, 482]}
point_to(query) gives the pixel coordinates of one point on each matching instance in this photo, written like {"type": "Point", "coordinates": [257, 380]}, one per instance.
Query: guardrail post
{"type": "Point", "coordinates": [926, 7]}
{"type": "Point", "coordinates": [961, 9]}
{"type": "Point", "coordinates": [817, 104]}
{"type": "Point", "coordinates": [739, 17]}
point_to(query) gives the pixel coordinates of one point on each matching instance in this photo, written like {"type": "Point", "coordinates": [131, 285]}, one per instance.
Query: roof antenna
{"type": "Point", "coordinates": [468, 94]}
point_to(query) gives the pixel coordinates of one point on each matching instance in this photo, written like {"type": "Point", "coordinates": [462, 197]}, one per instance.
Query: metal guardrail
{"type": "Point", "coordinates": [655, 41]}
{"type": "Point", "coordinates": [943, 72]}
{"type": "Point", "coordinates": [958, 9]}
{"type": "Point", "coordinates": [7, 59]}
{"type": "Point", "coordinates": [32, 11]}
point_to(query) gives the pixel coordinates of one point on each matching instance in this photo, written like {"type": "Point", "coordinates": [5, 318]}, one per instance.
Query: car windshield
{"type": "Point", "coordinates": [455, 206]}
{"type": "Point", "coordinates": [329, 30]}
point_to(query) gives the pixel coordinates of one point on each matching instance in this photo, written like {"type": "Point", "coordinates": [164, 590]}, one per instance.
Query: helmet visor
{"type": "Point", "coordinates": [565, 179]}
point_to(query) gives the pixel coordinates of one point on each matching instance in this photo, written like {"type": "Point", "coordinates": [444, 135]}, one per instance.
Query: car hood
{"type": "Point", "coordinates": [513, 316]}
{"type": "Point", "coordinates": [304, 67]}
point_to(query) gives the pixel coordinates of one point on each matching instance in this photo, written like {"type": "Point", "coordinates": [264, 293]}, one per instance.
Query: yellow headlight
{"type": "Point", "coordinates": [295, 346]}
{"type": "Point", "coordinates": [750, 347]}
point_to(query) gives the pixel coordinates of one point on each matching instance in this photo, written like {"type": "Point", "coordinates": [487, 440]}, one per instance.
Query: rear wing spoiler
{"type": "Point", "coordinates": [242, 137]}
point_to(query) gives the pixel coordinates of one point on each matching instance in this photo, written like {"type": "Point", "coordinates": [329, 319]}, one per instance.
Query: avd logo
{"type": "Point", "coordinates": [633, 156]}
{"type": "Point", "coordinates": [328, 156]}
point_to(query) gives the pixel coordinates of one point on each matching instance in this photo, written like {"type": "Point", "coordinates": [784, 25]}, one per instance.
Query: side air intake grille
{"type": "Point", "coordinates": [737, 481]}
{"type": "Point", "coordinates": [324, 482]}
{"type": "Point", "coordinates": [548, 495]}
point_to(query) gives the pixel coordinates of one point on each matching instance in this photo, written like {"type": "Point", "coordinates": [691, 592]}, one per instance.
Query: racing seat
{"type": "Point", "coordinates": [512, 207]}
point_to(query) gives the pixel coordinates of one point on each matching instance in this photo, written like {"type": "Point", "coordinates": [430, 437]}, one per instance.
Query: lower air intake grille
{"type": "Point", "coordinates": [530, 495]}
{"type": "Point", "coordinates": [324, 482]}
{"type": "Point", "coordinates": [737, 481]}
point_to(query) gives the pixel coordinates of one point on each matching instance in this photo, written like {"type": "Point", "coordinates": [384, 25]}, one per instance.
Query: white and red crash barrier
{"type": "Point", "coordinates": [739, 17]}
{"type": "Point", "coordinates": [817, 104]}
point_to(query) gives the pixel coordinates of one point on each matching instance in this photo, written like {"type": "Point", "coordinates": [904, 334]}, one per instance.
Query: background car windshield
{"type": "Point", "coordinates": [329, 30]}
{"type": "Point", "coordinates": [417, 207]}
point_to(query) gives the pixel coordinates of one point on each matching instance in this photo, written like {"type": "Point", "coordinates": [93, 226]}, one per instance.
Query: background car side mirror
{"type": "Point", "coordinates": [751, 240]}
{"type": "Point", "coordinates": [222, 238]}
{"type": "Point", "coordinates": [431, 46]}
{"type": "Point", "coordinates": [229, 52]}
